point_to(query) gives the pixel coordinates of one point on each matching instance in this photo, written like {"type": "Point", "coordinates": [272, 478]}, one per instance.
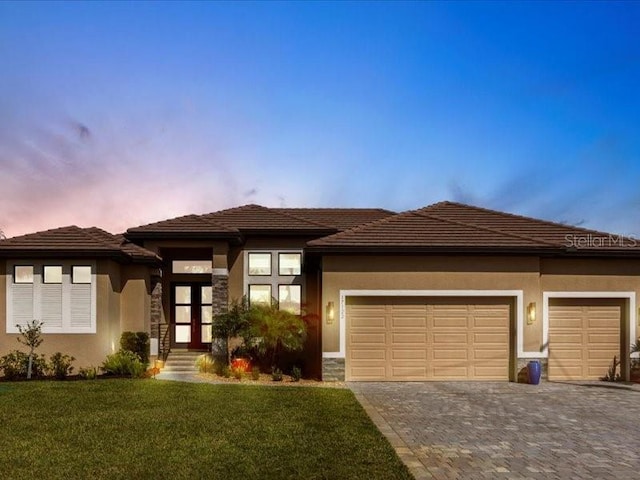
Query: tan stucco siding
{"type": "Point", "coordinates": [135, 299]}
{"type": "Point", "coordinates": [427, 273]}
{"type": "Point", "coordinates": [236, 274]}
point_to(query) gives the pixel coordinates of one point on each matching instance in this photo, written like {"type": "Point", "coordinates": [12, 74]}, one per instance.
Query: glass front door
{"type": "Point", "coordinates": [191, 315]}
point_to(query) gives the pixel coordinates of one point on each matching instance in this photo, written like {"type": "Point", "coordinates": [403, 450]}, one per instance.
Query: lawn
{"type": "Point", "coordinates": [140, 429]}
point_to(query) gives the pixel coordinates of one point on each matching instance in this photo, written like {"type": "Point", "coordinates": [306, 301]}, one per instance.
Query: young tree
{"type": "Point", "coordinates": [231, 324]}
{"type": "Point", "coordinates": [31, 336]}
{"type": "Point", "coordinates": [276, 330]}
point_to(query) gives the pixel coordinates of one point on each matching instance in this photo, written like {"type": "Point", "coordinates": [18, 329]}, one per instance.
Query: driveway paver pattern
{"type": "Point", "coordinates": [476, 430]}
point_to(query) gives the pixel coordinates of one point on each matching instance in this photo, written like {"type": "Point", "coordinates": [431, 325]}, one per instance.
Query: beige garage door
{"type": "Point", "coordinates": [584, 335]}
{"type": "Point", "coordinates": [404, 339]}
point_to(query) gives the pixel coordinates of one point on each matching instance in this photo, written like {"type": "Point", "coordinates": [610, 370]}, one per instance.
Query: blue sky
{"type": "Point", "coordinates": [119, 114]}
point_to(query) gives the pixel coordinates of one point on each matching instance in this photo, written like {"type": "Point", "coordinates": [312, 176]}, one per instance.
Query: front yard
{"type": "Point", "coordinates": [169, 430]}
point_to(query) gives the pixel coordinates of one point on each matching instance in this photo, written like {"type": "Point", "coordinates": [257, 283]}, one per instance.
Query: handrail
{"type": "Point", "coordinates": [164, 342]}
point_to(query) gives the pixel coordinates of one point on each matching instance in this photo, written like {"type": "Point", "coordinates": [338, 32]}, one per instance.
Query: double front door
{"type": "Point", "coordinates": [191, 315]}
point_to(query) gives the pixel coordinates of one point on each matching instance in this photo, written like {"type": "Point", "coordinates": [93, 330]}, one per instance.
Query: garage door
{"type": "Point", "coordinates": [584, 335]}
{"type": "Point", "coordinates": [405, 339]}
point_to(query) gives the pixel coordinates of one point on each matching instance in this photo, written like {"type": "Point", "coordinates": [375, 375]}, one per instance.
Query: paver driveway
{"type": "Point", "coordinates": [479, 430]}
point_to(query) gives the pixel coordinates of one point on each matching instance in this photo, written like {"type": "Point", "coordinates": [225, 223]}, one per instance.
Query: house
{"type": "Point", "coordinates": [446, 292]}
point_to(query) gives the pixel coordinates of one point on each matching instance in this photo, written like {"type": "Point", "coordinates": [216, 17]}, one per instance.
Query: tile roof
{"type": "Point", "coordinates": [455, 226]}
{"type": "Point", "coordinates": [73, 240]}
{"type": "Point", "coordinates": [339, 218]}
{"type": "Point", "coordinates": [259, 219]}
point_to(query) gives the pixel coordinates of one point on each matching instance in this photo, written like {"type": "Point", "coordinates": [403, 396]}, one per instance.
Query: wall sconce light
{"type": "Point", "coordinates": [330, 313]}
{"type": "Point", "coordinates": [531, 313]}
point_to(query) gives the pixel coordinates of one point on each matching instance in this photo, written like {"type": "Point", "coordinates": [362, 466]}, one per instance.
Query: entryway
{"type": "Point", "coordinates": [191, 315]}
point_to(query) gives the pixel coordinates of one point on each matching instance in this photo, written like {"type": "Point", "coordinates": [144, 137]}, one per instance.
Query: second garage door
{"type": "Point", "coordinates": [584, 335]}
{"type": "Point", "coordinates": [405, 339]}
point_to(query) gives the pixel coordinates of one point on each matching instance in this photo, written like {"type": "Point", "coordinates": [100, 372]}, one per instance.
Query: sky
{"type": "Point", "coordinates": [119, 114]}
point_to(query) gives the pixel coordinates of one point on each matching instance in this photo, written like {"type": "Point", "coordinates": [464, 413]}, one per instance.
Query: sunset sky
{"type": "Point", "coordinates": [120, 114]}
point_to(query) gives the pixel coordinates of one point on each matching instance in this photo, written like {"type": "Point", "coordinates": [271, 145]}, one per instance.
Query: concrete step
{"type": "Point", "coordinates": [181, 361]}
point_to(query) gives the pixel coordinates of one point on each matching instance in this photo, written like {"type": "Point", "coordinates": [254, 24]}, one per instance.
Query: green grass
{"type": "Point", "coordinates": [123, 429]}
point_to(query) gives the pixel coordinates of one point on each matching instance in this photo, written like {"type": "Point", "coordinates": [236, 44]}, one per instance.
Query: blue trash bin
{"type": "Point", "coordinates": [533, 371]}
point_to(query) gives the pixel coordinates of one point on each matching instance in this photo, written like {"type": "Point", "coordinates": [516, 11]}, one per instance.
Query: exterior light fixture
{"type": "Point", "coordinates": [330, 313]}
{"type": "Point", "coordinates": [531, 313]}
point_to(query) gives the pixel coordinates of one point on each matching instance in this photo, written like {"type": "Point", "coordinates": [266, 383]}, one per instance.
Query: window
{"type": "Point", "coordinates": [259, 264]}
{"type": "Point", "coordinates": [192, 266]}
{"type": "Point", "coordinates": [23, 274]}
{"type": "Point", "coordinates": [62, 296]}
{"type": "Point", "coordinates": [81, 274]}
{"type": "Point", "coordinates": [52, 274]}
{"type": "Point", "coordinates": [259, 294]}
{"type": "Point", "coordinates": [289, 298]}
{"type": "Point", "coordinates": [289, 263]}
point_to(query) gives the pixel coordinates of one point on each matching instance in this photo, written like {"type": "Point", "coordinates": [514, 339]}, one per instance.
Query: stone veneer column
{"type": "Point", "coordinates": [219, 302]}
{"type": "Point", "coordinates": [156, 303]}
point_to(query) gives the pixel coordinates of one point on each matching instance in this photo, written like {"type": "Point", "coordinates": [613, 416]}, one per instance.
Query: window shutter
{"type": "Point", "coordinates": [80, 306]}
{"type": "Point", "coordinates": [22, 303]}
{"type": "Point", "coordinates": [51, 295]}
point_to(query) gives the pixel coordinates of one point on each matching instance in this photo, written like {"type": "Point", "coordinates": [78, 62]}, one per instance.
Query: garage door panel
{"type": "Point", "coordinates": [368, 338]}
{"type": "Point", "coordinates": [409, 354]}
{"type": "Point", "coordinates": [429, 339]}
{"type": "Point", "coordinates": [584, 335]}
{"type": "Point", "coordinates": [369, 354]}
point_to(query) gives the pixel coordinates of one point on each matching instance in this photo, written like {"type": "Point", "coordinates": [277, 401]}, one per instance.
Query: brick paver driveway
{"type": "Point", "coordinates": [506, 430]}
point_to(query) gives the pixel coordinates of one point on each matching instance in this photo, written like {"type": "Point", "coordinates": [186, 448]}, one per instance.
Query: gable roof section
{"type": "Point", "coordinates": [77, 242]}
{"type": "Point", "coordinates": [450, 226]}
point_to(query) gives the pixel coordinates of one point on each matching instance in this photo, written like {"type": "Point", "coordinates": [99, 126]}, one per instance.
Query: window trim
{"type": "Point", "coordinates": [44, 274]}
{"type": "Point", "coordinates": [260, 285]}
{"type": "Point", "coordinates": [73, 275]}
{"type": "Point", "coordinates": [280, 285]}
{"type": "Point", "coordinates": [14, 276]}
{"type": "Point", "coordinates": [260, 274]}
{"type": "Point", "coordinates": [280, 274]}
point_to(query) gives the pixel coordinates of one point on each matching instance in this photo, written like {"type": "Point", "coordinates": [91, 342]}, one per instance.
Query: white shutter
{"type": "Point", "coordinates": [51, 305]}
{"type": "Point", "coordinates": [80, 305]}
{"type": "Point", "coordinates": [21, 303]}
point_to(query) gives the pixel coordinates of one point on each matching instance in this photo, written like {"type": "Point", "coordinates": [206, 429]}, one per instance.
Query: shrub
{"type": "Point", "coordinates": [226, 371]}
{"type": "Point", "coordinates": [255, 373]}
{"type": "Point", "coordinates": [60, 365]}
{"type": "Point", "coordinates": [138, 343]}
{"type": "Point", "coordinates": [238, 373]}
{"type": "Point", "coordinates": [88, 373]}
{"type": "Point", "coordinates": [231, 324]}
{"type": "Point", "coordinates": [205, 363]}
{"type": "Point", "coordinates": [15, 365]}
{"type": "Point", "coordinates": [296, 374]}
{"type": "Point", "coordinates": [124, 363]}
{"type": "Point", "coordinates": [276, 374]}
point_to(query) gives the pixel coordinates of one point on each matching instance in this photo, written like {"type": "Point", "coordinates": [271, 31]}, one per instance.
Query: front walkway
{"type": "Point", "coordinates": [506, 430]}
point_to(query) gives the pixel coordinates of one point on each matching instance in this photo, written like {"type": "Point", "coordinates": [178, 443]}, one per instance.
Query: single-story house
{"type": "Point", "coordinates": [446, 292]}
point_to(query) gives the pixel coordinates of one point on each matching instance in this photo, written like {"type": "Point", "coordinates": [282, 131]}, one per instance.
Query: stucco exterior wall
{"type": "Point", "coordinates": [427, 273]}
{"type": "Point", "coordinates": [135, 299]}
{"type": "Point", "coordinates": [89, 349]}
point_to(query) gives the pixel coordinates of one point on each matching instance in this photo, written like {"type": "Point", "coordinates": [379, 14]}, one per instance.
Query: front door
{"type": "Point", "coordinates": [191, 315]}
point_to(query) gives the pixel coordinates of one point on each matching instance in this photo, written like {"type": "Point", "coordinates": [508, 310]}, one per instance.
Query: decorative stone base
{"type": "Point", "coordinates": [333, 369]}
{"type": "Point", "coordinates": [522, 367]}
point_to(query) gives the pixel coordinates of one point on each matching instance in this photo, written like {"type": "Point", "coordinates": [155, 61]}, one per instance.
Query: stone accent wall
{"type": "Point", "coordinates": [156, 305]}
{"type": "Point", "coordinates": [220, 299]}
{"type": "Point", "coordinates": [333, 369]}
{"type": "Point", "coordinates": [522, 368]}
{"type": "Point", "coordinates": [219, 304]}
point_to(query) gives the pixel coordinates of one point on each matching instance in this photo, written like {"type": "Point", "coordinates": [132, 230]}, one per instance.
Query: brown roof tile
{"type": "Point", "coordinates": [449, 225]}
{"type": "Point", "coordinates": [73, 240]}
{"type": "Point", "coordinates": [259, 218]}
{"type": "Point", "coordinates": [338, 218]}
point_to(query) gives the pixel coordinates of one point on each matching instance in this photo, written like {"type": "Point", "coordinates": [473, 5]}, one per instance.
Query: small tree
{"type": "Point", "coordinates": [31, 336]}
{"type": "Point", "coordinates": [276, 330]}
{"type": "Point", "coordinates": [231, 324]}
